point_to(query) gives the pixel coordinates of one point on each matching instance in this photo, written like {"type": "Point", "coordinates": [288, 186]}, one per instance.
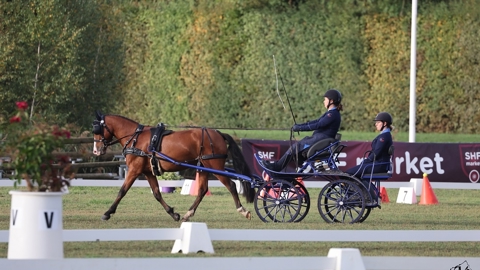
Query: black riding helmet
{"type": "Point", "coordinates": [384, 117]}
{"type": "Point", "coordinates": [334, 95]}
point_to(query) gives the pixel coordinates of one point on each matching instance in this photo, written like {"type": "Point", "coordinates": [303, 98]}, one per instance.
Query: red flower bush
{"type": "Point", "coordinates": [30, 143]}
{"type": "Point", "coordinates": [15, 119]}
{"type": "Point", "coordinates": [22, 105]}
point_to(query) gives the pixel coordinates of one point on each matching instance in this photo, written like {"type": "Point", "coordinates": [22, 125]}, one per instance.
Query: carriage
{"type": "Point", "coordinates": [280, 197]}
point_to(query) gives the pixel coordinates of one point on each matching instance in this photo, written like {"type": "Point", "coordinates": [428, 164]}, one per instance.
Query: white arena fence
{"type": "Point", "coordinates": [252, 263]}
{"type": "Point", "coordinates": [242, 263]}
{"type": "Point", "coordinates": [216, 183]}
{"type": "Point", "coordinates": [194, 237]}
{"type": "Point", "coordinates": [269, 235]}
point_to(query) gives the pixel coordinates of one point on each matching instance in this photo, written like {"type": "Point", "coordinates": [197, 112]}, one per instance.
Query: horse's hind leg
{"type": "Point", "coordinates": [152, 180]}
{"type": "Point", "coordinates": [230, 185]}
{"type": "Point", "coordinates": [202, 184]}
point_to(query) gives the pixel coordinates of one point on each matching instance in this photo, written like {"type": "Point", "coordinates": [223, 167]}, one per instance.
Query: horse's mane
{"type": "Point", "coordinates": [128, 119]}
{"type": "Point", "coordinates": [121, 116]}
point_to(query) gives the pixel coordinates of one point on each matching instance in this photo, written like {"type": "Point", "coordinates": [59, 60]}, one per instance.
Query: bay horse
{"type": "Point", "coordinates": [197, 146]}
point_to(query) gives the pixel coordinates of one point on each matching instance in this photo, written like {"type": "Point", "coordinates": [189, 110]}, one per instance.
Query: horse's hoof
{"type": "Point", "coordinates": [176, 216]}
{"type": "Point", "coordinates": [249, 215]}
{"type": "Point", "coordinates": [184, 219]}
{"type": "Point", "coordinates": [105, 217]}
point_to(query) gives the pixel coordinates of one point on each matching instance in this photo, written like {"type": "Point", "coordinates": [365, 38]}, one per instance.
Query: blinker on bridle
{"type": "Point", "coordinates": [98, 127]}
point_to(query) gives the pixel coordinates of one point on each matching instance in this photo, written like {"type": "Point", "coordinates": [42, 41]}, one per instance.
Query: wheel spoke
{"type": "Point", "coordinates": [336, 214]}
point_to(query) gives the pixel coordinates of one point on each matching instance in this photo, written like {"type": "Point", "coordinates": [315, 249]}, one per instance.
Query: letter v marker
{"type": "Point", "coordinates": [14, 216]}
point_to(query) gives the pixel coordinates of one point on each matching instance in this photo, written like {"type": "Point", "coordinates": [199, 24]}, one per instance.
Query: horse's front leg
{"type": "Point", "coordinates": [129, 179]}
{"type": "Point", "coordinates": [152, 180]}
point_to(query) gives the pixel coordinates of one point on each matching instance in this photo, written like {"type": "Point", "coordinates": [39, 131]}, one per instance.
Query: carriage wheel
{"type": "Point", "coordinates": [341, 201]}
{"type": "Point", "coordinates": [305, 201]}
{"type": "Point", "coordinates": [278, 201]}
{"type": "Point", "coordinates": [365, 214]}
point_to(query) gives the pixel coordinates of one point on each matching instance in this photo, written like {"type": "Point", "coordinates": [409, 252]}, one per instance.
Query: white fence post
{"type": "Point", "coordinates": [347, 258]}
{"type": "Point", "coordinates": [195, 238]}
{"type": "Point", "coordinates": [417, 184]}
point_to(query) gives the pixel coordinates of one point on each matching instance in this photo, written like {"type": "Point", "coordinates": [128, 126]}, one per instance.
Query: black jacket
{"type": "Point", "coordinates": [380, 146]}
{"type": "Point", "coordinates": [328, 124]}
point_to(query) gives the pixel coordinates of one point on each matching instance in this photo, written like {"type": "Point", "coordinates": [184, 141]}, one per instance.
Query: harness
{"type": "Point", "coordinates": [98, 129]}
{"type": "Point", "coordinates": [156, 136]}
{"type": "Point", "coordinates": [212, 155]}
{"type": "Point", "coordinates": [133, 150]}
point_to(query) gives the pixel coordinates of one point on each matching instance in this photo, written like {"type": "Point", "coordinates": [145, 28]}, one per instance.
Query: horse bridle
{"type": "Point", "coordinates": [98, 129]}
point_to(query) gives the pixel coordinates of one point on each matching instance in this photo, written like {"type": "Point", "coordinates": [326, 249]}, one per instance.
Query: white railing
{"type": "Point", "coordinates": [216, 183]}
{"type": "Point", "coordinates": [192, 237]}
{"type": "Point", "coordinates": [241, 263]}
{"type": "Point", "coordinates": [271, 235]}
{"type": "Point", "coordinates": [333, 261]}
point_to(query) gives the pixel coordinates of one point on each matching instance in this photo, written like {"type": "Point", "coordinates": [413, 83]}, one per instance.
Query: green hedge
{"type": "Point", "coordinates": [210, 63]}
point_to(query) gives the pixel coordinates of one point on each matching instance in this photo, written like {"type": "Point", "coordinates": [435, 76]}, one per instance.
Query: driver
{"type": "Point", "coordinates": [324, 127]}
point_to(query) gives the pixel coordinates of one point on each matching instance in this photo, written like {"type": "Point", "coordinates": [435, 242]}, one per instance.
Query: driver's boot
{"type": "Point", "coordinates": [372, 194]}
{"type": "Point", "coordinates": [279, 164]}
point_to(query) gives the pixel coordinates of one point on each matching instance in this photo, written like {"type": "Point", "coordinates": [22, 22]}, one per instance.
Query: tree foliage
{"type": "Point", "coordinates": [57, 55]}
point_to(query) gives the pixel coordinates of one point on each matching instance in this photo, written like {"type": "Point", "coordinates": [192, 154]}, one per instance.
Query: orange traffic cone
{"type": "Point", "coordinates": [300, 180]}
{"type": "Point", "coordinates": [194, 187]}
{"type": "Point", "coordinates": [428, 196]}
{"type": "Point", "coordinates": [384, 195]}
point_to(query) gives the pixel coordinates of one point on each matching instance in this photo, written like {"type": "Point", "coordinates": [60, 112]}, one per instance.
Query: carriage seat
{"type": "Point", "coordinates": [320, 145]}
{"type": "Point", "coordinates": [383, 175]}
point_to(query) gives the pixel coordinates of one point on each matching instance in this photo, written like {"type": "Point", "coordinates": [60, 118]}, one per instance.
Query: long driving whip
{"type": "Point", "coordinates": [285, 90]}
{"type": "Point", "coordinates": [289, 105]}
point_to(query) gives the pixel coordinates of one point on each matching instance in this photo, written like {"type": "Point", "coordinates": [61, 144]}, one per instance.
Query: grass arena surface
{"type": "Point", "coordinates": [84, 206]}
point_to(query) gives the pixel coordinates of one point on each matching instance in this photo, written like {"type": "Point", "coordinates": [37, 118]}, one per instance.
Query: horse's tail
{"type": "Point", "coordinates": [240, 166]}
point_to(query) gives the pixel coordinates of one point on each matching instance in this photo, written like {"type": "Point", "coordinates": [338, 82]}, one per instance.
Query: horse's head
{"type": "Point", "coordinates": [102, 135]}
